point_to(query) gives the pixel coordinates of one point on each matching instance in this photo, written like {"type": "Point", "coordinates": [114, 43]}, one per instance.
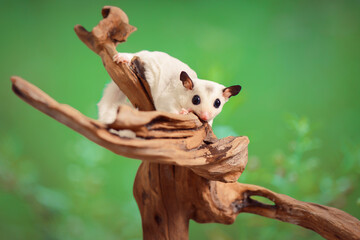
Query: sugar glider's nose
{"type": "Point", "coordinates": [204, 116]}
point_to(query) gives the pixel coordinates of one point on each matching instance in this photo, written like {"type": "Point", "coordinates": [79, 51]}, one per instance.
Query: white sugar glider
{"type": "Point", "coordinates": [174, 86]}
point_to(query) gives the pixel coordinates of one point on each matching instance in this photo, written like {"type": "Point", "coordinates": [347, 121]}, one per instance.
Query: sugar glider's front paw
{"type": "Point", "coordinates": [122, 58]}
{"type": "Point", "coordinates": [183, 111]}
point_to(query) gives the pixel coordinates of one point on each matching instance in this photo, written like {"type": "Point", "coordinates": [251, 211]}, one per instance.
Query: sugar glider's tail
{"type": "Point", "coordinates": [110, 101]}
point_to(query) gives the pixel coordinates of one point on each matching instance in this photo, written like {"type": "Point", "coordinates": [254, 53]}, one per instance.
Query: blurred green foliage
{"type": "Point", "coordinates": [298, 63]}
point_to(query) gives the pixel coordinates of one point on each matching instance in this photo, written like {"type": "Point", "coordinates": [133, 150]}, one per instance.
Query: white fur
{"type": "Point", "coordinates": [163, 75]}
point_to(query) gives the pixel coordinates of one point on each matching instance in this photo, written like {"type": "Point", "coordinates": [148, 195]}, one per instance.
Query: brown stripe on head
{"type": "Point", "coordinates": [209, 89]}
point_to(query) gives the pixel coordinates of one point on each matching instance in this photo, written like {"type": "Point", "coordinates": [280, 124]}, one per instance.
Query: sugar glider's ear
{"type": "Point", "coordinates": [231, 91]}
{"type": "Point", "coordinates": [186, 80]}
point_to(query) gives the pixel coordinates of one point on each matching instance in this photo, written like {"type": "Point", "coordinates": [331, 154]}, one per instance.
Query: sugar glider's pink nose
{"type": "Point", "coordinates": [204, 116]}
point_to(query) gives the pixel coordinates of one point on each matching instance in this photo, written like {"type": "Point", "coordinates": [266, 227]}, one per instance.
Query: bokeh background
{"type": "Point", "coordinates": [298, 63]}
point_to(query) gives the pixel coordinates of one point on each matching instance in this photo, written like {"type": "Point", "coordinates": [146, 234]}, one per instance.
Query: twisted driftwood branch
{"type": "Point", "coordinates": [169, 195]}
{"type": "Point", "coordinates": [331, 223]}
{"type": "Point", "coordinates": [104, 37]}
{"type": "Point", "coordinates": [184, 147]}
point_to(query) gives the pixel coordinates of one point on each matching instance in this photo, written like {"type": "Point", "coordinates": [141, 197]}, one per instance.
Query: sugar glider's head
{"type": "Point", "coordinates": [206, 98]}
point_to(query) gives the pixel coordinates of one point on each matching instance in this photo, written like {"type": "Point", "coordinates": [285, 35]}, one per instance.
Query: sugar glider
{"type": "Point", "coordinates": [175, 88]}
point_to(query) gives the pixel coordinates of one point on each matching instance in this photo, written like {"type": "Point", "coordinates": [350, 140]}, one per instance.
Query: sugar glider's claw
{"type": "Point", "coordinates": [122, 58]}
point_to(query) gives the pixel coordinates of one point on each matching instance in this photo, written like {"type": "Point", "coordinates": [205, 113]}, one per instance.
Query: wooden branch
{"type": "Point", "coordinates": [331, 223]}
{"type": "Point", "coordinates": [189, 146]}
{"type": "Point", "coordinates": [104, 37]}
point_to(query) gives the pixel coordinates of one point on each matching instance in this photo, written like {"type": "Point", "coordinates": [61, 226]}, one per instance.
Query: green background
{"type": "Point", "coordinates": [297, 61]}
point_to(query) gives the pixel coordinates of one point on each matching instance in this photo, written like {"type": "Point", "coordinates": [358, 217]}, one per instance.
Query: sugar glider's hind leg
{"type": "Point", "coordinates": [110, 102]}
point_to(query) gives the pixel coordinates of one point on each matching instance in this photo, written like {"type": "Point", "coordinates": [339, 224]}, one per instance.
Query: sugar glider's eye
{"type": "Point", "coordinates": [196, 100]}
{"type": "Point", "coordinates": [217, 103]}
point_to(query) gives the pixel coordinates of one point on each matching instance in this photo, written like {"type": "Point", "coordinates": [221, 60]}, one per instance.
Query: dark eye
{"type": "Point", "coordinates": [217, 103]}
{"type": "Point", "coordinates": [196, 100]}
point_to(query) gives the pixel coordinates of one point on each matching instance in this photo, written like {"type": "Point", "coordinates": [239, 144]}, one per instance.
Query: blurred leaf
{"type": "Point", "coordinates": [52, 199]}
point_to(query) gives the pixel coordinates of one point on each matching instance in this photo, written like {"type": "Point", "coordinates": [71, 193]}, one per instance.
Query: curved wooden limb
{"type": "Point", "coordinates": [114, 28]}
{"type": "Point", "coordinates": [331, 223]}
{"type": "Point", "coordinates": [191, 145]}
